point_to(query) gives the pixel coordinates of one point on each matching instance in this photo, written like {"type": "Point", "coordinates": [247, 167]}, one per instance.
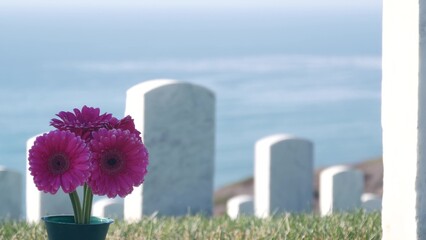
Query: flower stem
{"type": "Point", "coordinates": [87, 204]}
{"type": "Point", "coordinates": [76, 206]}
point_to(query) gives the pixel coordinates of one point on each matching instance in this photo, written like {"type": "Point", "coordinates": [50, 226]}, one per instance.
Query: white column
{"type": "Point", "coordinates": [404, 119]}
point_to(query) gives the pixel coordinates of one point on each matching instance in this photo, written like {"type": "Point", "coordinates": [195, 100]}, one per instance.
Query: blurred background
{"type": "Point", "coordinates": [307, 68]}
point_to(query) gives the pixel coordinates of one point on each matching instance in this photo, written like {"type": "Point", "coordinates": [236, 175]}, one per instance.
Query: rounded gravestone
{"type": "Point", "coordinates": [177, 122]}
{"type": "Point", "coordinates": [240, 205]}
{"type": "Point", "coordinates": [11, 197]}
{"type": "Point", "coordinates": [110, 208]}
{"type": "Point", "coordinates": [340, 189]}
{"type": "Point", "coordinates": [283, 173]}
{"type": "Point", "coordinates": [371, 202]}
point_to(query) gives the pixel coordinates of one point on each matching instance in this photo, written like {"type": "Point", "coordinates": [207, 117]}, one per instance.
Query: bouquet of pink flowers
{"type": "Point", "coordinates": [100, 152]}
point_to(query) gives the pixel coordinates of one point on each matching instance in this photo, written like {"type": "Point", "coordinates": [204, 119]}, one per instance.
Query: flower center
{"type": "Point", "coordinates": [112, 162]}
{"type": "Point", "coordinates": [59, 163]}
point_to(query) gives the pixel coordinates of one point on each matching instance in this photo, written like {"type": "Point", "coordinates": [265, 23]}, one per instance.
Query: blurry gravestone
{"type": "Point", "coordinates": [110, 208]}
{"type": "Point", "coordinates": [38, 203]}
{"type": "Point", "coordinates": [340, 189]}
{"type": "Point", "coordinates": [240, 206]}
{"type": "Point", "coordinates": [371, 202]}
{"type": "Point", "coordinates": [11, 194]}
{"type": "Point", "coordinates": [283, 175]}
{"type": "Point", "coordinates": [177, 122]}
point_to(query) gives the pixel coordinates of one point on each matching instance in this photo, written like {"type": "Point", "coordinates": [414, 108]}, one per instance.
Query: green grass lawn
{"type": "Point", "coordinates": [351, 226]}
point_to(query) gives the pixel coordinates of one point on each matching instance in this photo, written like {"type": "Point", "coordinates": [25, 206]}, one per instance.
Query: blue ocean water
{"type": "Point", "coordinates": [311, 74]}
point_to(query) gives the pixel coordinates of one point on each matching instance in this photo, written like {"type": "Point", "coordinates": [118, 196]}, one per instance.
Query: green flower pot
{"type": "Point", "coordinates": [63, 227]}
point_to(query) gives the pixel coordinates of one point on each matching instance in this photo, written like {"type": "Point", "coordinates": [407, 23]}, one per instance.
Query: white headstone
{"type": "Point", "coordinates": [239, 206]}
{"type": "Point", "coordinates": [11, 194]}
{"type": "Point", "coordinates": [177, 122]}
{"type": "Point", "coordinates": [39, 204]}
{"type": "Point", "coordinates": [404, 119]}
{"type": "Point", "coordinates": [371, 202]}
{"type": "Point", "coordinates": [110, 208]}
{"type": "Point", "coordinates": [283, 175]}
{"type": "Point", "coordinates": [340, 189]}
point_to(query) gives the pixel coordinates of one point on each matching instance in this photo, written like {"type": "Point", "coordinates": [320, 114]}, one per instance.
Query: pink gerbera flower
{"type": "Point", "coordinates": [119, 160]}
{"type": "Point", "coordinates": [126, 123]}
{"type": "Point", "coordinates": [59, 159]}
{"type": "Point", "coordinates": [83, 122]}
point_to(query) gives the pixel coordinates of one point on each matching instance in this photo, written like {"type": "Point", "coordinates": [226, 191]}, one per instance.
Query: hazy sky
{"type": "Point", "coordinates": [299, 4]}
